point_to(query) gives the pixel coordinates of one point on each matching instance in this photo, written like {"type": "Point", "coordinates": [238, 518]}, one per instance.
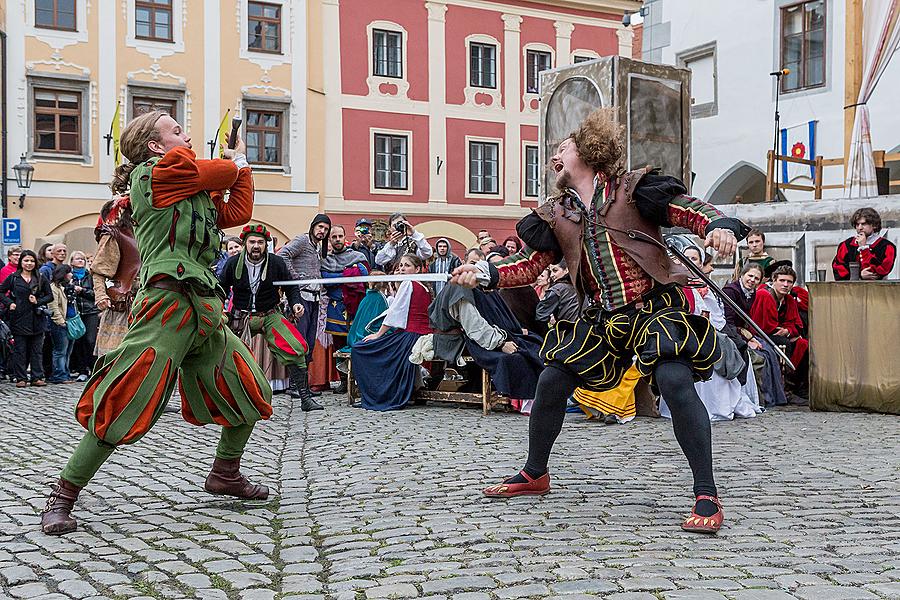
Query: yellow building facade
{"type": "Point", "coordinates": [73, 65]}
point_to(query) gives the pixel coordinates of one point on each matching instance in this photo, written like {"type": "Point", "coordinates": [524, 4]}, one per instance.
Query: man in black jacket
{"type": "Point", "coordinates": [250, 276]}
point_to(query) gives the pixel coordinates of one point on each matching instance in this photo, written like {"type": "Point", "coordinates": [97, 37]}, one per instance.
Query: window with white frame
{"type": "Point", "coordinates": [387, 53]}
{"type": "Point", "coordinates": [391, 160]}
{"type": "Point", "coordinates": [483, 65]}
{"type": "Point", "coordinates": [803, 45]}
{"type": "Point", "coordinates": [264, 27]}
{"type": "Point", "coordinates": [484, 167]}
{"type": "Point", "coordinates": [532, 172]}
{"type": "Point", "coordinates": [153, 20]}
{"type": "Point", "coordinates": [535, 62]}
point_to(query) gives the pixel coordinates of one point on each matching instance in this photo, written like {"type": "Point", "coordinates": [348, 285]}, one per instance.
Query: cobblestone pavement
{"type": "Point", "coordinates": [369, 505]}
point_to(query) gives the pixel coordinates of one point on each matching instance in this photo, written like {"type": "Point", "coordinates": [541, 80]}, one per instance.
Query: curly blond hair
{"type": "Point", "coordinates": [600, 142]}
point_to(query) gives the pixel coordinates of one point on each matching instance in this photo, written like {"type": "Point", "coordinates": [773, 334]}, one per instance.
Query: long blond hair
{"type": "Point", "coordinates": [133, 145]}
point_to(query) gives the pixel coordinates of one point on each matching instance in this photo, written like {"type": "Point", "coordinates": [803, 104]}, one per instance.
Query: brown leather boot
{"type": "Point", "coordinates": [226, 479]}
{"type": "Point", "coordinates": [55, 518]}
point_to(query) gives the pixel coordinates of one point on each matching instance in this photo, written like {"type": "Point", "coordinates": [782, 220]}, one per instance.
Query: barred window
{"type": "Point", "coordinates": [387, 53]}
{"type": "Point", "coordinates": [483, 65]}
{"type": "Point", "coordinates": [484, 163]}
{"type": "Point", "coordinates": [391, 161]}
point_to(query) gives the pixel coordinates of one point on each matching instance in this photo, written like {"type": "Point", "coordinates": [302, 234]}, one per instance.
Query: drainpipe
{"type": "Point", "coordinates": [4, 152]}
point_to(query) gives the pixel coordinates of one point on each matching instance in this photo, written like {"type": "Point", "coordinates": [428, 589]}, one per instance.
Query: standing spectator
{"type": "Point", "coordinates": [402, 239]}
{"type": "Point", "coordinates": [114, 272]}
{"type": "Point", "coordinates": [444, 262]}
{"type": "Point", "coordinates": [343, 299]}
{"type": "Point", "coordinates": [513, 244]}
{"type": "Point", "coordinates": [777, 313]}
{"type": "Point", "coordinates": [233, 247]}
{"type": "Point", "coordinates": [44, 254]}
{"type": "Point", "coordinates": [561, 300]}
{"type": "Point", "coordinates": [58, 252]}
{"type": "Point", "coordinates": [83, 358]}
{"type": "Point", "coordinates": [62, 308]}
{"type": "Point", "coordinates": [365, 241]}
{"type": "Point", "coordinates": [542, 283]}
{"type": "Point", "coordinates": [871, 255]}
{"type": "Point", "coordinates": [756, 243]}
{"type": "Point", "coordinates": [303, 256]}
{"type": "Point", "coordinates": [26, 294]}
{"type": "Point", "coordinates": [12, 264]}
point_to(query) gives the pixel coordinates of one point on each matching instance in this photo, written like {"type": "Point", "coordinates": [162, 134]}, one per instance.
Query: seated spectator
{"type": "Point", "coordinates": [867, 255]}
{"type": "Point", "coordinates": [370, 313]}
{"type": "Point", "coordinates": [513, 244]}
{"type": "Point", "coordinates": [384, 374]}
{"type": "Point", "coordinates": [756, 243]}
{"type": "Point", "coordinates": [481, 322]}
{"type": "Point", "coordinates": [722, 394]}
{"type": "Point", "coordinates": [25, 294]}
{"type": "Point", "coordinates": [561, 301]}
{"type": "Point", "coordinates": [444, 262]}
{"type": "Point", "coordinates": [486, 244]}
{"type": "Point", "coordinates": [542, 283]}
{"type": "Point", "coordinates": [777, 313]}
{"type": "Point", "coordinates": [62, 308]}
{"type": "Point", "coordinates": [402, 239]}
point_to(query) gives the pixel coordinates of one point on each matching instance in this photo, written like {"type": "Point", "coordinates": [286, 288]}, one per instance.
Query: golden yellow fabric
{"type": "Point", "coordinates": [618, 401]}
{"type": "Point", "coordinates": [854, 329]}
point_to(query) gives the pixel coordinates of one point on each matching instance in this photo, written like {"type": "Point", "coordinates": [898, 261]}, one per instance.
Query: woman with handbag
{"type": "Point", "coordinates": [82, 361]}
{"type": "Point", "coordinates": [26, 294]}
{"type": "Point", "coordinates": [62, 311]}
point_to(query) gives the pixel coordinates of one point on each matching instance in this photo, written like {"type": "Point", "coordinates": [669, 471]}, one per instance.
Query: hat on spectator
{"type": "Point", "coordinates": [257, 230]}
{"type": "Point", "coordinates": [363, 221]}
{"type": "Point", "coordinates": [778, 263]}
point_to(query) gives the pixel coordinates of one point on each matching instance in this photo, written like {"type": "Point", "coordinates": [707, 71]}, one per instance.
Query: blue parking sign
{"type": "Point", "coordinates": [12, 232]}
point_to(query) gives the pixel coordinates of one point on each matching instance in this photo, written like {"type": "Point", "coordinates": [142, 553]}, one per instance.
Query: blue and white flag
{"type": "Point", "coordinates": [798, 141]}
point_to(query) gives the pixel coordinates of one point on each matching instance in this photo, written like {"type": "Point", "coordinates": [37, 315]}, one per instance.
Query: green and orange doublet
{"type": "Point", "coordinates": [177, 332]}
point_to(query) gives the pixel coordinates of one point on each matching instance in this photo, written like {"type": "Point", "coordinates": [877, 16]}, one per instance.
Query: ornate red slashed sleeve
{"type": "Point", "coordinates": [879, 258]}
{"type": "Point", "coordinates": [841, 261]}
{"type": "Point", "coordinates": [520, 269]}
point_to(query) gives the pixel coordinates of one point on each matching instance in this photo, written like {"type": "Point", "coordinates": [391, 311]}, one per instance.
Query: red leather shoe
{"type": "Point", "coordinates": [698, 524]}
{"type": "Point", "coordinates": [532, 487]}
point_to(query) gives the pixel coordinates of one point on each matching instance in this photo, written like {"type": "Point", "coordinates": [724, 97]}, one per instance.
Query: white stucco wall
{"type": "Point", "coordinates": [747, 50]}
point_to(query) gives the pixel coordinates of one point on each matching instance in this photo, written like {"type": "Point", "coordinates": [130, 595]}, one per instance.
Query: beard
{"type": "Point", "coordinates": [563, 179]}
{"type": "Point", "coordinates": [255, 255]}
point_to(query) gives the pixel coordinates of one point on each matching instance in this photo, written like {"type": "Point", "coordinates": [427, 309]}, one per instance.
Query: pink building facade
{"type": "Point", "coordinates": [432, 107]}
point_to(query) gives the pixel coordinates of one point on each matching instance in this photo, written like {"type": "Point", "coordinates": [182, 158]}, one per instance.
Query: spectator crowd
{"type": "Point", "coordinates": [60, 311]}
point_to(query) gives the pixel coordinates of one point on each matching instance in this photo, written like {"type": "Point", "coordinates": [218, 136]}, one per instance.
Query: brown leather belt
{"type": "Point", "coordinates": [184, 288]}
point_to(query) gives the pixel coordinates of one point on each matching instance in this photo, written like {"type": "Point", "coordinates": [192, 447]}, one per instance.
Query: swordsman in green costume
{"type": "Point", "coordinates": [177, 331]}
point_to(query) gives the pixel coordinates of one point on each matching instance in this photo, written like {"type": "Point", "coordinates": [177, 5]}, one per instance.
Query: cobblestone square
{"type": "Point", "coordinates": [388, 505]}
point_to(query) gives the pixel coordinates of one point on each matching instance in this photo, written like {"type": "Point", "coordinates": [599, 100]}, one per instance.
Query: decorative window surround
{"type": "Point", "coordinates": [172, 93]}
{"type": "Point", "coordinates": [266, 60]}
{"type": "Point", "coordinates": [154, 49]}
{"type": "Point", "coordinates": [530, 100]}
{"type": "Point", "coordinates": [471, 91]}
{"type": "Point", "coordinates": [375, 82]}
{"type": "Point", "coordinates": [79, 85]}
{"type": "Point", "coordinates": [282, 105]}
{"type": "Point", "coordinates": [500, 173]}
{"type": "Point", "coordinates": [58, 38]}
{"type": "Point", "coordinates": [582, 53]}
{"type": "Point", "coordinates": [409, 161]}
{"type": "Point", "coordinates": [524, 178]}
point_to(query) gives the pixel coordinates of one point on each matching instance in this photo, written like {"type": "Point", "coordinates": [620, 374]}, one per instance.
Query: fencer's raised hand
{"type": "Point", "coordinates": [298, 310]}
{"type": "Point", "coordinates": [465, 275]}
{"type": "Point", "coordinates": [722, 241]}
{"type": "Point", "coordinates": [239, 148]}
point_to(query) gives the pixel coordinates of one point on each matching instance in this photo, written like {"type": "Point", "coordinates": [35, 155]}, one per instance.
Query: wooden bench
{"type": "Point", "coordinates": [487, 398]}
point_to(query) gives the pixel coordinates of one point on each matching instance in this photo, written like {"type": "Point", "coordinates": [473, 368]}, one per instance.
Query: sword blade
{"type": "Point", "coordinates": [367, 279]}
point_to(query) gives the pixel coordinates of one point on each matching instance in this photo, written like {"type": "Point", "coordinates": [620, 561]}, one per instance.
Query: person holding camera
{"type": "Point", "coordinates": [26, 294]}
{"type": "Point", "coordinates": [403, 239]}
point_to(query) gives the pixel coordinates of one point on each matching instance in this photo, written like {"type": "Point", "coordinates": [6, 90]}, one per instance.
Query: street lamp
{"type": "Point", "coordinates": [24, 173]}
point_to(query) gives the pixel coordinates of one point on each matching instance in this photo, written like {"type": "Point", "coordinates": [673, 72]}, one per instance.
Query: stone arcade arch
{"type": "Point", "coordinates": [743, 179]}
